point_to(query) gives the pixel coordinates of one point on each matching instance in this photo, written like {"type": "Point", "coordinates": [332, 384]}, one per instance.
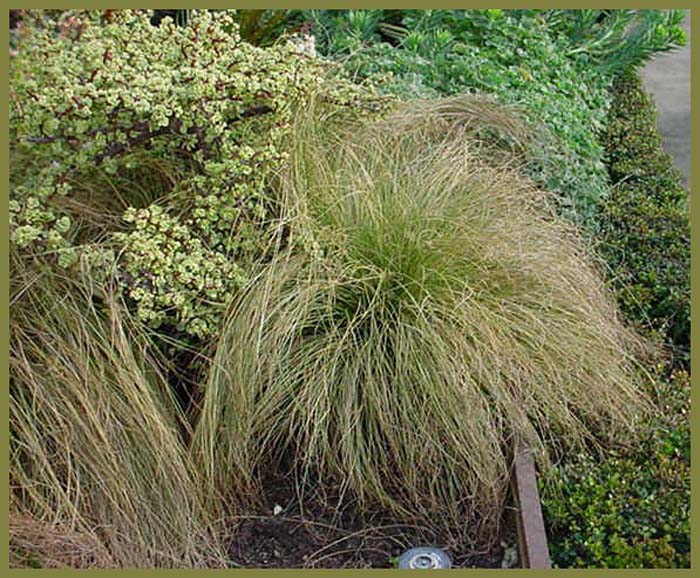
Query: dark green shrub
{"type": "Point", "coordinates": [644, 224]}
{"type": "Point", "coordinates": [632, 509]}
{"type": "Point", "coordinates": [260, 27]}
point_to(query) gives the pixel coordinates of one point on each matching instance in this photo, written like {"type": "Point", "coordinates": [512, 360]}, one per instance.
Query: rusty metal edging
{"type": "Point", "coordinates": [532, 538]}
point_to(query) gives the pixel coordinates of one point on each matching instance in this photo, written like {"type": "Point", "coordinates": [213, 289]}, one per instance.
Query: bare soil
{"type": "Point", "coordinates": [319, 535]}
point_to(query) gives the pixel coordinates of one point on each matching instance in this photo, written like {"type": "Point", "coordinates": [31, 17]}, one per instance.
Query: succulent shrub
{"type": "Point", "coordinates": [445, 313]}
{"type": "Point", "coordinates": [92, 89]}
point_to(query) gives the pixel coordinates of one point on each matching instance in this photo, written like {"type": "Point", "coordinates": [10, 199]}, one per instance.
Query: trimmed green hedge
{"type": "Point", "coordinates": [631, 510]}
{"type": "Point", "coordinates": [644, 223]}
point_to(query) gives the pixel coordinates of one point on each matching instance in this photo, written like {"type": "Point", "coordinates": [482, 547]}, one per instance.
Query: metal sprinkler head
{"type": "Point", "coordinates": [424, 558]}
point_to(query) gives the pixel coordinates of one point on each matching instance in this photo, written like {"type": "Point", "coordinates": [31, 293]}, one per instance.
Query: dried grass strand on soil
{"type": "Point", "coordinates": [34, 543]}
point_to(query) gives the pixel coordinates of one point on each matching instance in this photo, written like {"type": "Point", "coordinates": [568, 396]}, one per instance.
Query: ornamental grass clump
{"type": "Point", "coordinates": [438, 313]}
{"type": "Point", "coordinates": [99, 470]}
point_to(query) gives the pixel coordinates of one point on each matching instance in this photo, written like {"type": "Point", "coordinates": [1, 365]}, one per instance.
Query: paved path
{"type": "Point", "coordinates": [667, 78]}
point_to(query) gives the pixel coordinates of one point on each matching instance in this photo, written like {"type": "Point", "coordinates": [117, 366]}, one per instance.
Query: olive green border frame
{"type": "Point", "coordinates": [329, 4]}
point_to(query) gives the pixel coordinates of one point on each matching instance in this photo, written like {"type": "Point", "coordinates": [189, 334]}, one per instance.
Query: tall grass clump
{"type": "Point", "coordinates": [99, 471]}
{"type": "Point", "coordinates": [436, 313]}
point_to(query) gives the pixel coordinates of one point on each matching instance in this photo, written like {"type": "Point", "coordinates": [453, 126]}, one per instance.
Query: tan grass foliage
{"type": "Point", "coordinates": [436, 312]}
{"type": "Point", "coordinates": [36, 544]}
{"type": "Point", "coordinates": [96, 452]}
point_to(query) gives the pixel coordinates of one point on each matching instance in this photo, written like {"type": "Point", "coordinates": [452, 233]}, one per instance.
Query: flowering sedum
{"type": "Point", "coordinates": [93, 88]}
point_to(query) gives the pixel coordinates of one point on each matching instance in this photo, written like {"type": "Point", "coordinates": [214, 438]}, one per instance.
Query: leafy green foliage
{"type": "Point", "coordinates": [645, 225]}
{"type": "Point", "coordinates": [437, 52]}
{"type": "Point", "coordinates": [630, 509]}
{"type": "Point", "coordinates": [93, 88]}
{"type": "Point", "coordinates": [553, 64]}
{"type": "Point", "coordinates": [617, 40]}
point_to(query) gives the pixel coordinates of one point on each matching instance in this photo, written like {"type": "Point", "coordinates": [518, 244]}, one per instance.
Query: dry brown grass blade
{"type": "Point", "coordinates": [34, 543]}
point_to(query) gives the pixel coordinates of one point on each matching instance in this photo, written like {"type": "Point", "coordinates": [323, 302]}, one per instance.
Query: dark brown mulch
{"type": "Point", "coordinates": [15, 18]}
{"type": "Point", "coordinates": [320, 536]}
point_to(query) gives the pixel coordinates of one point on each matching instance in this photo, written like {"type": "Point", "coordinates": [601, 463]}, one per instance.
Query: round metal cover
{"type": "Point", "coordinates": [424, 559]}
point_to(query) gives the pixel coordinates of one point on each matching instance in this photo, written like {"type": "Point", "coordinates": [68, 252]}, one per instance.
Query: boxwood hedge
{"type": "Point", "coordinates": [631, 509]}
{"type": "Point", "coordinates": [644, 223]}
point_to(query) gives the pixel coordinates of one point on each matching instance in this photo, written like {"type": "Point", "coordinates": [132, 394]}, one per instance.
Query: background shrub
{"type": "Point", "coordinates": [556, 64]}
{"type": "Point", "coordinates": [616, 41]}
{"type": "Point", "coordinates": [644, 224]}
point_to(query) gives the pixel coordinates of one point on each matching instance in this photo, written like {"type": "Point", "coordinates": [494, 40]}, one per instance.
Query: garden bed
{"type": "Point", "coordinates": [316, 536]}
{"type": "Point", "coordinates": [258, 253]}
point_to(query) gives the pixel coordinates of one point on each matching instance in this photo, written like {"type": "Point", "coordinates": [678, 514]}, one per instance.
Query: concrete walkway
{"type": "Point", "coordinates": [667, 78]}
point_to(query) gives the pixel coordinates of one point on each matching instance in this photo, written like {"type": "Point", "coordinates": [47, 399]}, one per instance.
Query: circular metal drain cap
{"type": "Point", "coordinates": [424, 559]}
